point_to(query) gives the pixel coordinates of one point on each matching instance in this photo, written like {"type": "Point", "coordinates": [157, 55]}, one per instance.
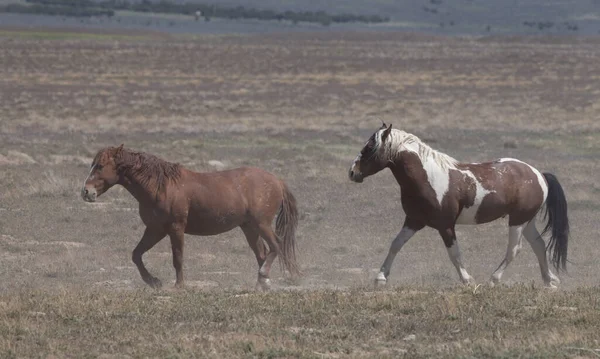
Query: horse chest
{"type": "Point", "coordinates": [152, 216]}
{"type": "Point", "coordinates": [418, 206]}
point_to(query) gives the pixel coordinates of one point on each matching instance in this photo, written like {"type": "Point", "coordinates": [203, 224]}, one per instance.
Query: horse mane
{"type": "Point", "coordinates": [146, 167]}
{"type": "Point", "coordinates": [397, 138]}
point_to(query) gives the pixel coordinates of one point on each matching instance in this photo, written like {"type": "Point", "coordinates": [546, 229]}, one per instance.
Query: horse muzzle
{"type": "Point", "coordinates": [355, 176]}
{"type": "Point", "coordinates": [89, 194]}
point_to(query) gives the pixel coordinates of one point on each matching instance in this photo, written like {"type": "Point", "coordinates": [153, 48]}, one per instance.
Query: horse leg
{"type": "Point", "coordinates": [266, 232]}
{"type": "Point", "coordinates": [408, 230]}
{"type": "Point", "coordinates": [515, 240]}
{"type": "Point", "coordinates": [149, 239]}
{"type": "Point", "coordinates": [449, 237]}
{"type": "Point", "coordinates": [539, 248]}
{"type": "Point", "coordinates": [176, 236]}
{"type": "Point", "coordinates": [258, 247]}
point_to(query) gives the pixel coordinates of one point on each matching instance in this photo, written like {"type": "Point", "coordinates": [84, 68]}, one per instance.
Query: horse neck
{"type": "Point", "coordinates": [409, 171]}
{"type": "Point", "coordinates": [144, 191]}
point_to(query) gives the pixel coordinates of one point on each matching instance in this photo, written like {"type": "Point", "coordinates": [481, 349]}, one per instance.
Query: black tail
{"type": "Point", "coordinates": [558, 222]}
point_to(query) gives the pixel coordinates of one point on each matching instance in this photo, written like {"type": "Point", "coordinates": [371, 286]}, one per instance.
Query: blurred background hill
{"type": "Point", "coordinates": [452, 17]}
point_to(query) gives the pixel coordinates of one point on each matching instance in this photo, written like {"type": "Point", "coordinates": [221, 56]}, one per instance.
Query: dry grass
{"type": "Point", "coordinates": [299, 106]}
{"type": "Point", "coordinates": [416, 323]}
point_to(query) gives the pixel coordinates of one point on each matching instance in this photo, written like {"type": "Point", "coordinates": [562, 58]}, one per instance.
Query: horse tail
{"type": "Point", "coordinates": [285, 227]}
{"type": "Point", "coordinates": [558, 222]}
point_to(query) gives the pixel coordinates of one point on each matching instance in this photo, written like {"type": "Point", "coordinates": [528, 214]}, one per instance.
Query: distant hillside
{"type": "Point", "coordinates": [207, 11]}
{"type": "Point", "coordinates": [465, 16]}
{"type": "Point", "coordinates": [449, 17]}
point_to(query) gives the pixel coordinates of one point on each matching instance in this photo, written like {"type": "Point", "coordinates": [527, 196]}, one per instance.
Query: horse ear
{"type": "Point", "coordinates": [119, 150]}
{"type": "Point", "coordinates": [386, 133]}
{"type": "Point", "coordinates": [383, 125]}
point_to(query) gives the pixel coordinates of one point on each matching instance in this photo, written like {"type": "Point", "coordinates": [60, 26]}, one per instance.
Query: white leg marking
{"type": "Point", "coordinates": [539, 248]}
{"type": "Point", "coordinates": [468, 214]}
{"type": "Point", "coordinates": [456, 259]}
{"type": "Point", "coordinates": [402, 237]}
{"type": "Point", "coordinates": [262, 272]}
{"type": "Point", "coordinates": [515, 242]}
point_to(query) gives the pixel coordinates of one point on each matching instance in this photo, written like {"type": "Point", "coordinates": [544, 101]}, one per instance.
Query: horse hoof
{"type": "Point", "coordinates": [261, 287]}
{"type": "Point", "coordinates": [551, 281]}
{"type": "Point", "coordinates": [494, 281]}
{"type": "Point", "coordinates": [155, 283]}
{"type": "Point", "coordinates": [551, 286]}
{"type": "Point", "coordinates": [179, 286]}
{"type": "Point", "coordinates": [263, 284]}
{"type": "Point", "coordinates": [380, 282]}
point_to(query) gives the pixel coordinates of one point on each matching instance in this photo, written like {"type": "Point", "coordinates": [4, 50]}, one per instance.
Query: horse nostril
{"type": "Point", "coordinates": [351, 173]}
{"type": "Point", "coordinates": [85, 191]}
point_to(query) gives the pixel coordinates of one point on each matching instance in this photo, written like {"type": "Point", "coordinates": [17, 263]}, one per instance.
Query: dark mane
{"type": "Point", "coordinates": [146, 168]}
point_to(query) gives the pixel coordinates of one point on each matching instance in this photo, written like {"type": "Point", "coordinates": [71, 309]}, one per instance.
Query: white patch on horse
{"type": "Point", "coordinates": [437, 176]}
{"type": "Point", "coordinates": [89, 176]}
{"type": "Point", "coordinates": [356, 160]}
{"type": "Point", "coordinates": [435, 163]}
{"type": "Point", "coordinates": [456, 259]}
{"type": "Point", "coordinates": [540, 177]}
{"type": "Point", "coordinates": [468, 215]}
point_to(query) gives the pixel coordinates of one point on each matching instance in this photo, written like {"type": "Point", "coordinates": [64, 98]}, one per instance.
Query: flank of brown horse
{"type": "Point", "coordinates": [439, 192]}
{"type": "Point", "coordinates": [174, 200]}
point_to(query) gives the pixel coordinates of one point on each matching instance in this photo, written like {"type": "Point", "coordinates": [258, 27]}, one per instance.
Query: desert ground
{"type": "Point", "coordinates": [299, 105]}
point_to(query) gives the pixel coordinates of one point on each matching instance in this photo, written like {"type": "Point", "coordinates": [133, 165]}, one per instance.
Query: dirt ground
{"type": "Point", "coordinates": [300, 106]}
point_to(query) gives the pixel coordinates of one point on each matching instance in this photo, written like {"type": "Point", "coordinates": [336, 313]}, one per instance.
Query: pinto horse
{"type": "Point", "coordinates": [439, 192]}
{"type": "Point", "coordinates": [174, 200]}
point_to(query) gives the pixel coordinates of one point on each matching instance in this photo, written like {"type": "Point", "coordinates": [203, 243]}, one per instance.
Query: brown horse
{"type": "Point", "coordinates": [174, 200]}
{"type": "Point", "coordinates": [439, 192]}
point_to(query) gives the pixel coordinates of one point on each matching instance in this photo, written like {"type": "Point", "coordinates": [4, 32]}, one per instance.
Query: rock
{"type": "Point", "coordinates": [409, 338]}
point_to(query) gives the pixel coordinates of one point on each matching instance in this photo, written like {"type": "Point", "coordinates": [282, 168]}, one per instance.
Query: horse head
{"type": "Point", "coordinates": [103, 173]}
{"type": "Point", "coordinates": [370, 161]}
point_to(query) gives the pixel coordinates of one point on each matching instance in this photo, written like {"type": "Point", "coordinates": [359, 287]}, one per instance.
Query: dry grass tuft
{"type": "Point", "coordinates": [51, 184]}
{"type": "Point", "coordinates": [493, 322]}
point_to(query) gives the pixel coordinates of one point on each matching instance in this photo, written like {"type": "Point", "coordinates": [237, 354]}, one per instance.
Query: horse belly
{"type": "Point", "coordinates": [210, 226]}
{"type": "Point", "coordinates": [468, 215]}
{"type": "Point", "coordinates": [485, 208]}
{"type": "Point", "coordinates": [491, 207]}
{"type": "Point", "coordinates": [210, 222]}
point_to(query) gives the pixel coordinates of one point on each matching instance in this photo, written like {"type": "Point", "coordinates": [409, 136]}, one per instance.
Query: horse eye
{"type": "Point", "coordinates": [99, 167]}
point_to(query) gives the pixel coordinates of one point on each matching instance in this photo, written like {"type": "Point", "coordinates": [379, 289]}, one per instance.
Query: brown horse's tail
{"type": "Point", "coordinates": [285, 226]}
